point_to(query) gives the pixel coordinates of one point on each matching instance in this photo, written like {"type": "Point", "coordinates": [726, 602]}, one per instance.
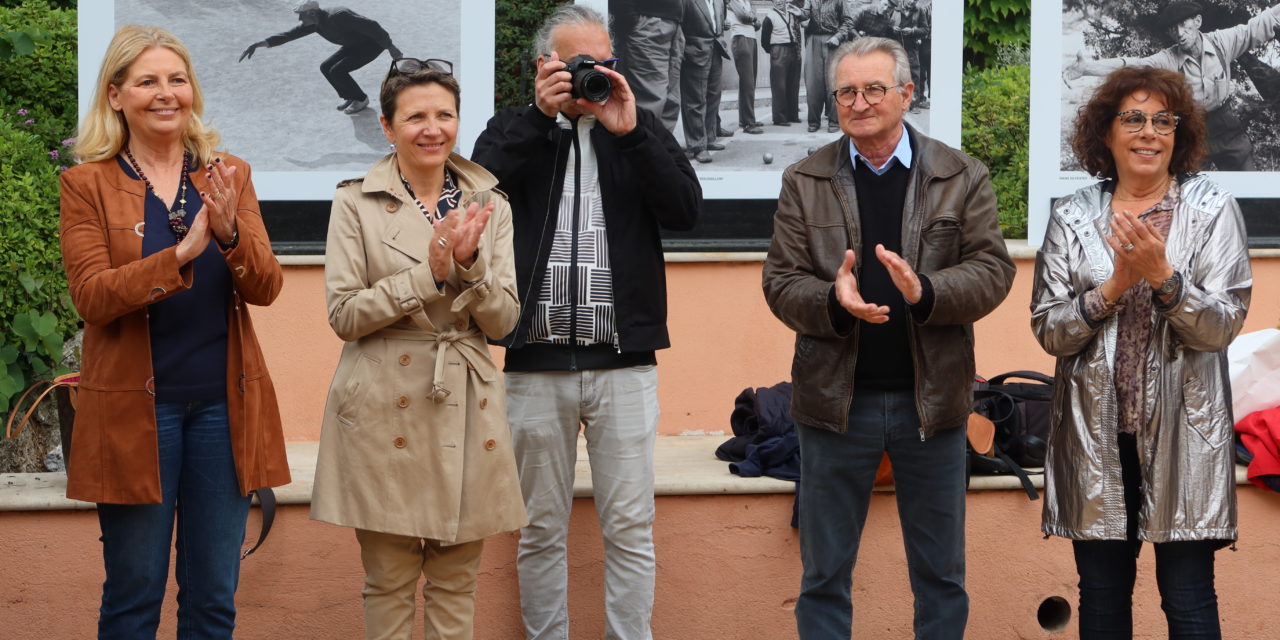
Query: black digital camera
{"type": "Point", "coordinates": [588, 82]}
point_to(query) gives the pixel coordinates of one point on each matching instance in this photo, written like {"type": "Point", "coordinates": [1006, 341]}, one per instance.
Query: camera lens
{"type": "Point", "coordinates": [592, 85]}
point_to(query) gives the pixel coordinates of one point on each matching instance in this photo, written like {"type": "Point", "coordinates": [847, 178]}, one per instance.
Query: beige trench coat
{"type": "Point", "coordinates": [415, 438]}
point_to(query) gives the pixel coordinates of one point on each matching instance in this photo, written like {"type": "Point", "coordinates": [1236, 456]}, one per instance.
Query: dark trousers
{"type": "Point", "coordinates": [745, 61]}
{"type": "Point", "coordinates": [817, 94]}
{"type": "Point", "coordinates": [714, 78]}
{"type": "Point", "coordinates": [836, 477]}
{"type": "Point", "coordinates": [1108, 569]}
{"type": "Point", "coordinates": [695, 74]}
{"type": "Point", "coordinates": [198, 485]}
{"type": "Point", "coordinates": [1229, 146]}
{"type": "Point", "coordinates": [784, 82]}
{"type": "Point", "coordinates": [652, 66]}
{"type": "Point", "coordinates": [337, 69]}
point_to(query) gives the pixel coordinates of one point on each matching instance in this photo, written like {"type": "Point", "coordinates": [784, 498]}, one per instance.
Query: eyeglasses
{"type": "Point", "coordinates": [409, 66]}
{"type": "Point", "coordinates": [873, 94]}
{"type": "Point", "coordinates": [1134, 121]}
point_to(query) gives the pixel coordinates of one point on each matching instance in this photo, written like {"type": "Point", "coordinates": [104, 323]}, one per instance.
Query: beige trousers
{"type": "Point", "coordinates": [392, 565]}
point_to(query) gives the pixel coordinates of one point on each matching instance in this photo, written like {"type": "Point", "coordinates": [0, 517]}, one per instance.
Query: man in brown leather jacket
{"type": "Point", "coordinates": [885, 250]}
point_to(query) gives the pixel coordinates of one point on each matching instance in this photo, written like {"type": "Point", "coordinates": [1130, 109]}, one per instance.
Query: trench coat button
{"type": "Point", "coordinates": [399, 442]}
{"type": "Point", "coordinates": [490, 444]}
{"type": "Point", "coordinates": [156, 292]}
{"type": "Point", "coordinates": [393, 206]}
{"type": "Point", "coordinates": [402, 401]}
{"type": "Point", "coordinates": [484, 402]}
{"type": "Point", "coordinates": [405, 360]}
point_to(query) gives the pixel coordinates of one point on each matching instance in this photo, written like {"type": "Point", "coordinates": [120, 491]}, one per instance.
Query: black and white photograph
{"type": "Point", "coordinates": [742, 83]}
{"type": "Point", "coordinates": [293, 85]}
{"type": "Point", "coordinates": [1227, 50]}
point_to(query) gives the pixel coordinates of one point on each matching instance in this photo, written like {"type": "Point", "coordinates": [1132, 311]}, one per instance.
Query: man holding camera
{"type": "Point", "coordinates": [590, 185]}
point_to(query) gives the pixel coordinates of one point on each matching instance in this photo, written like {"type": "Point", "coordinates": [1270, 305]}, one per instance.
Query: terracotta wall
{"type": "Point", "coordinates": [723, 337]}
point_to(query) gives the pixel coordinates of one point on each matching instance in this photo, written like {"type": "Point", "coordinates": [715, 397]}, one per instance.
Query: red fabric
{"type": "Point", "coordinates": [1260, 432]}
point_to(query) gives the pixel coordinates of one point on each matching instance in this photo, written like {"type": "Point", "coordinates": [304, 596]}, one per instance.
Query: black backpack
{"type": "Point", "coordinates": [1020, 411]}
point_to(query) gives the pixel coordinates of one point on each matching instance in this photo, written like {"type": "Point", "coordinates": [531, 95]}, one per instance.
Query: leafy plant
{"type": "Point", "coordinates": [34, 306]}
{"type": "Point", "coordinates": [995, 128]}
{"type": "Point", "coordinates": [992, 24]}
{"type": "Point", "coordinates": [42, 81]}
{"type": "Point", "coordinates": [517, 22]}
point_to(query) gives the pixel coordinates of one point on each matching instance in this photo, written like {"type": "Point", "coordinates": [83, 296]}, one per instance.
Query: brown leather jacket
{"type": "Point", "coordinates": [950, 235]}
{"type": "Point", "coordinates": [115, 448]}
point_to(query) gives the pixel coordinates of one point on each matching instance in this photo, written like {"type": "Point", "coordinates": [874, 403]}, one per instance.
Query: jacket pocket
{"type": "Point", "coordinates": [1205, 415]}
{"type": "Point", "coordinates": [352, 400]}
{"type": "Point", "coordinates": [939, 244]}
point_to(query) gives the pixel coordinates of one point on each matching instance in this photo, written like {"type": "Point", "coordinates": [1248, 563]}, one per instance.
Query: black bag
{"type": "Point", "coordinates": [1020, 411]}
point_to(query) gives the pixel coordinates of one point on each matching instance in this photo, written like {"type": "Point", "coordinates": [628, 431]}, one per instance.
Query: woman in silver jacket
{"type": "Point", "coordinates": [1141, 283]}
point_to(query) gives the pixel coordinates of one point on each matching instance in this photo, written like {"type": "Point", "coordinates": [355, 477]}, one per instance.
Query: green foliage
{"type": "Point", "coordinates": [996, 129]}
{"type": "Point", "coordinates": [517, 21]}
{"type": "Point", "coordinates": [43, 81]}
{"type": "Point", "coordinates": [992, 24]}
{"type": "Point", "coordinates": [34, 306]}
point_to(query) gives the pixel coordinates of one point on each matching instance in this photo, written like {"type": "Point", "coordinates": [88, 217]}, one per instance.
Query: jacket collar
{"type": "Point", "coordinates": [931, 159]}
{"type": "Point", "coordinates": [384, 176]}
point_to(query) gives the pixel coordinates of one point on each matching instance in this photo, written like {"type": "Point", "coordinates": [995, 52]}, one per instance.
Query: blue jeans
{"type": "Point", "coordinates": [836, 477]}
{"type": "Point", "coordinates": [198, 483]}
{"type": "Point", "coordinates": [1108, 569]}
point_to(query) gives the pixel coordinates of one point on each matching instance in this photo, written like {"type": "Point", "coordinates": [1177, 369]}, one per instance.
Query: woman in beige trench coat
{"type": "Point", "coordinates": [415, 451]}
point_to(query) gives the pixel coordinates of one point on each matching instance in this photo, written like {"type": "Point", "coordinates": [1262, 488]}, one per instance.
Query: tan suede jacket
{"type": "Point", "coordinates": [115, 452]}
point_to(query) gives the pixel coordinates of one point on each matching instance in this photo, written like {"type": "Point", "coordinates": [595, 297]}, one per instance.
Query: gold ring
{"type": "Point", "coordinates": [444, 242]}
{"type": "Point", "coordinates": [217, 194]}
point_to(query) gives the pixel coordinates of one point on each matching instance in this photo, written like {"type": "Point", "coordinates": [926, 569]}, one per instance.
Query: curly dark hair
{"type": "Point", "coordinates": [1094, 120]}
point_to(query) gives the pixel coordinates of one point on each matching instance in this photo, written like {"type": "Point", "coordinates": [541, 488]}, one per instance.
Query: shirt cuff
{"type": "Point", "coordinates": [1094, 308]}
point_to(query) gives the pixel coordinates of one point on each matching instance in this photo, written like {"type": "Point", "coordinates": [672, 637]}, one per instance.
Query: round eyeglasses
{"type": "Point", "coordinates": [1134, 121]}
{"type": "Point", "coordinates": [873, 94]}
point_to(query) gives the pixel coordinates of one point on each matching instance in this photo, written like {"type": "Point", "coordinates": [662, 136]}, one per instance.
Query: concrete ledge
{"type": "Point", "coordinates": [684, 465]}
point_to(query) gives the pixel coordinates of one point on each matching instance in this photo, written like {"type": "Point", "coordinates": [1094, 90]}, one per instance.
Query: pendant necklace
{"type": "Point", "coordinates": [178, 215]}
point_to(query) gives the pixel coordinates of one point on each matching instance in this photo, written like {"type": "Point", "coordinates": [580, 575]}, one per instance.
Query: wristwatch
{"type": "Point", "coordinates": [1170, 285]}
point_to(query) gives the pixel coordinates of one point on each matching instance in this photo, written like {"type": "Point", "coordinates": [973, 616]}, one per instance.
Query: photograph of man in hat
{"type": "Point", "coordinates": [1205, 60]}
{"type": "Point", "coordinates": [360, 41]}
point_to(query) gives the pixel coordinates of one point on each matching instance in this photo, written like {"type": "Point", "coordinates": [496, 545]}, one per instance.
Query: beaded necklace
{"type": "Point", "coordinates": [178, 215]}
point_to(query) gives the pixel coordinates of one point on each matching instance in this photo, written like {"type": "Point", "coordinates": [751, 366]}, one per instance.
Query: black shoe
{"type": "Point", "coordinates": [754, 128]}
{"type": "Point", "coordinates": [344, 105]}
{"type": "Point", "coordinates": [832, 127]}
{"type": "Point", "coordinates": [796, 120]}
{"type": "Point", "coordinates": [703, 156]}
{"type": "Point", "coordinates": [782, 124]}
{"type": "Point", "coordinates": [715, 146]}
{"type": "Point", "coordinates": [722, 133]}
{"type": "Point", "coordinates": [812, 128]}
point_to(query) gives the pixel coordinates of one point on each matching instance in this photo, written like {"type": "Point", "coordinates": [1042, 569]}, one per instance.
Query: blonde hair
{"type": "Point", "coordinates": [104, 132]}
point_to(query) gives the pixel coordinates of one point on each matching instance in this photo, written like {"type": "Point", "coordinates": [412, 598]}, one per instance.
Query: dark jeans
{"type": "Point", "coordinates": [745, 61]}
{"type": "Point", "coordinates": [784, 82]}
{"type": "Point", "coordinates": [198, 483]}
{"type": "Point", "coordinates": [1108, 569]}
{"type": "Point", "coordinates": [837, 473]}
{"type": "Point", "coordinates": [337, 69]}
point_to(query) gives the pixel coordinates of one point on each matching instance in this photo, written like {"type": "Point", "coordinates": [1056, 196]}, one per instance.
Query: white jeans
{"type": "Point", "coordinates": [618, 410]}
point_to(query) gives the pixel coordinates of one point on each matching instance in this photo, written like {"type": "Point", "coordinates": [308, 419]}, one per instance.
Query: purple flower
{"type": "Point", "coordinates": [54, 154]}
{"type": "Point", "coordinates": [23, 112]}
{"type": "Point", "coordinates": [68, 142]}
{"type": "Point", "coordinates": [29, 121]}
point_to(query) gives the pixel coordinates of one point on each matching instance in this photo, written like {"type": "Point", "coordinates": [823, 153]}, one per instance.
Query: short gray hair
{"type": "Point", "coordinates": [568, 14]}
{"type": "Point", "coordinates": [866, 46]}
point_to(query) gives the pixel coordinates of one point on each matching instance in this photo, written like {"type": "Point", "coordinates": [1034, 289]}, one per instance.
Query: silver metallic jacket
{"type": "Point", "coordinates": [1185, 444]}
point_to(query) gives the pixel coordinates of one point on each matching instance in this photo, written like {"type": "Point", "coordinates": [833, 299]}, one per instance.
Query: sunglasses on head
{"type": "Point", "coordinates": [408, 66]}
